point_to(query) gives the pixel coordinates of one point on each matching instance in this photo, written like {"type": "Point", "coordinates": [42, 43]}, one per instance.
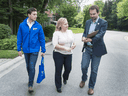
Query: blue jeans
{"type": "Point", "coordinates": [31, 59]}
{"type": "Point", "coordinates": [95, 60]}
{"type": "Point", "coordinates": [60, 60]}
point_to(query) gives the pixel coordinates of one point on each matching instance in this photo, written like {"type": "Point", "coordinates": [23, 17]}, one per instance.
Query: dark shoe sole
{"type": "Point", "coordinates": [59, 90]}
{"type": "Point", "coordinates": [90, 94]}
{"type": "Point", "coordinates": [30, 91]}
{"type": "Point", "coordinates": [65, 82]}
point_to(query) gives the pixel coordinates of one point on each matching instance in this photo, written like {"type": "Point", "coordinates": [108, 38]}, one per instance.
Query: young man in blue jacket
{"type": "Point", "coordinates": [30, 37]}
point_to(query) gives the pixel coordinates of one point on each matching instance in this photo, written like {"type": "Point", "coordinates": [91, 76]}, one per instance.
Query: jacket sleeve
{"type": "Point", "coordinates": [84, 30]}
{"type": "Point", "coordinates": [19, 39]}
{"type": "Point", "coordinates": [42, 40]}
{"type": "Point", "coordinates": [101, 33]}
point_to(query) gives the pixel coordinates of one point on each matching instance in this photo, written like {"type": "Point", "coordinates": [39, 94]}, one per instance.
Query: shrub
{"type": "Point", "coordinates": [79, 25]}
{"type": "Point", "coordinates": [48, 30]}
{"type": "Point", "coordinates": [46, 39]}
{"type": "Point", "coordinates": [0, 43]}
{"type": "Point", "coordinates": [76, 25]}
{"type": "Point", "coordinates": [5, 31]}
{"type": "Point", "coordinates": [9, 43]}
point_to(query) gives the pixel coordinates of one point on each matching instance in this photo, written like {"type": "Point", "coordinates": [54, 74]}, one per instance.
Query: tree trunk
{"type": "Point", "coordinates": [11, 18]}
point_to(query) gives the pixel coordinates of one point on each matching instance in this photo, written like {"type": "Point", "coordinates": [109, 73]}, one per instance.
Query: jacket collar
{"type": "Point", "coordinates": [25, 20]}
{"type": "Point", "coordinates": [96, 20]}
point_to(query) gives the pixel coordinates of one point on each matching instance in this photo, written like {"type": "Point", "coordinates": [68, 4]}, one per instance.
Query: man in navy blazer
{"type": "Point", "coordinates": [93, 47]}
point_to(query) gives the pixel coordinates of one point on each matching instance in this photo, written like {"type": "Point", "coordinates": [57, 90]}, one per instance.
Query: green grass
{"type": "Point", "coordinates": [76, 30]}
{"type": "Point", "coordinates": [8, 53]}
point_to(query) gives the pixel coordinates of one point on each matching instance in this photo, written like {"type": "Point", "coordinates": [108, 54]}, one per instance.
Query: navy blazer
{"type": "Point", "coordinates": [99, 47]}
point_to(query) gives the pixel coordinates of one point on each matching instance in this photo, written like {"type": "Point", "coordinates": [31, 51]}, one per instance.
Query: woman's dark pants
{"type": "Point", "coordinates": [60, 60]}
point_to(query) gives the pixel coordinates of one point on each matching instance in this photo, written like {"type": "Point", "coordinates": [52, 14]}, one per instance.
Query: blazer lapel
{"type": "Point", "coordinates": [97, 25]}
{"type": "Point", "coordinates": [87, 31]}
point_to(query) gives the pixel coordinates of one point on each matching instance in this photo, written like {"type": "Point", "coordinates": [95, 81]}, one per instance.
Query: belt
{"type": "Point", "coordinates": [89, 46]}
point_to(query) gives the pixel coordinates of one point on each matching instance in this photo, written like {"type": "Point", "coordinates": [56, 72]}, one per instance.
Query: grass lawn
{"type": "Point", "coordinates": [76, 30]}
{"type": "Point", "coordinates": [8, 53]}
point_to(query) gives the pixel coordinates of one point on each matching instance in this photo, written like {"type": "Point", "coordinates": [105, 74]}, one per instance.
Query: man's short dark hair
{"type": "Point", "coordinates": [30, 10]}
{"type": "Point", "coordinates": [94, 7]}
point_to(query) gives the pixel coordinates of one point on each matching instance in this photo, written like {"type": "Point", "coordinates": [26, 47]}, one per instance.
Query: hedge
{"type": "Point", "coordinates": [5, 31]}
{"type": "Point", "coordinates": [9, 43]}
{"type": "Point", "coordinates": [49, 30]}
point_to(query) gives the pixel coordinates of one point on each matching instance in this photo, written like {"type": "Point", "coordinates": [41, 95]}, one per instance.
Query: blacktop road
{"type": "Point", "coordinates": [112, 77]}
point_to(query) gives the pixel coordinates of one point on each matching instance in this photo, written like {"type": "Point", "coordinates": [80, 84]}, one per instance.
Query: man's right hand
{"type": "Point", "coordinates": [20, 53]}
{"type": "Point", "coordinates": [86, 39]}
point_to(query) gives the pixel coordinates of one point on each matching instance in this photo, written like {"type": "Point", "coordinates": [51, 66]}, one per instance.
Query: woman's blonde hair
{"type": "Point", "coordinates": [60, 23]}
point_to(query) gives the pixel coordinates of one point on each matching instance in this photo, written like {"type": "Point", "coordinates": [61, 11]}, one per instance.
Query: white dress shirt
{"type": "Point", "coordinates": [30, 24]}
{"type": "Point", "coordinates": [92, 28]}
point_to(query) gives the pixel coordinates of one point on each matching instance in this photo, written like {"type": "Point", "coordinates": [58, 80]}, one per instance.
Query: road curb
{"type": "Point", "coordinates": [10, 63]}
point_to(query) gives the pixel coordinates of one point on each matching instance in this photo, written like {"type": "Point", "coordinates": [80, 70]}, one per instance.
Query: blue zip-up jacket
{"type": "Point", "coordinates": [30, 40]}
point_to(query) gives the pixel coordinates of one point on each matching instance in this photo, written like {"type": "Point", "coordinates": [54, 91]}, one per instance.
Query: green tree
{"type": "Point", "coordinates": [122, 9]}
{"type": "Point", "coordinates": [122, 15]}
{"type": "Point", "coordinates": [69, 11]}
{"type": "Point", "coordinates": [107, 13]}
{"type": "Point", "coordinates": [113, 17]}
{"type": "Point", "coordinates": [86, 14]}
{"type": "Point", "coordinates": [100, 4]}
{"type": "Point", "coordinates": [79, 18]}
{"type": "Point", "coordinates": [14, 11]}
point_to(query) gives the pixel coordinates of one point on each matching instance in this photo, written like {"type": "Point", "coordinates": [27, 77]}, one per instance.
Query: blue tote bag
{"type": "Point", "coordinates": [41, 74]}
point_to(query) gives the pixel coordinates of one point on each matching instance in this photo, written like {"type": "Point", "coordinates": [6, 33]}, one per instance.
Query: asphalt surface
{"type": "Point", "coordinates": [112, 77]}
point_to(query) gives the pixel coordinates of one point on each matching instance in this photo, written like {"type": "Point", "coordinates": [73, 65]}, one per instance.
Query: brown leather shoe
{"type": "Point", "coordinates": [90, 91]}
{"type": "Point", "coordinates": [82, 83]}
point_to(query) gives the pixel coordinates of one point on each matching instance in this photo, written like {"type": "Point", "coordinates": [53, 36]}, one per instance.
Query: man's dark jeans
{"type": "Point", "coordinates": [31, 59]}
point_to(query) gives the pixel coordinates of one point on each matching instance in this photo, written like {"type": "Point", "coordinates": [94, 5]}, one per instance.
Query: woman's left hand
{"type": "Point", "coordinates": [73, 46]}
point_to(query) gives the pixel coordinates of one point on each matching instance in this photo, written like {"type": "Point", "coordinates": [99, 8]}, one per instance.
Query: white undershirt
{"type": "Point", "coordinates": [30, 24]}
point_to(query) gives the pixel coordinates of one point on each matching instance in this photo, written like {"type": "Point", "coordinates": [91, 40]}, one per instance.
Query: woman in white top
{"type": "Point", "coordinates": [63, 42]}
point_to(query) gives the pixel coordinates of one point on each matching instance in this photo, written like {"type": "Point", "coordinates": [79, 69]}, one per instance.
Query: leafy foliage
{"type": "Point", "coordinates": [79, 19]}
{"type": "Point", "coordinates": [100, 4]}
{"type": "Point", "coordinates": [110, 13]}
{"type": "Point", "coordinates": [4, 9]}
{"type": "Point", "coordinates": [5, 31]}
{"type": "Point", "coordinates": [68, 11]}
{"type": "Point", "coordinates": [86, 14]}
{"type": "Point", "coordinates": [8, 43]}
{"type": "Point", "coordinates": [48, 30]}
{"type": "Point", "coordinates": [46, 39]}
{"type": "Point", "coordinates": [42, 17]}
{"type": "Point", "coordinates": [13, 12]}
{"type": "Point", "coordinates": [122, 9]}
